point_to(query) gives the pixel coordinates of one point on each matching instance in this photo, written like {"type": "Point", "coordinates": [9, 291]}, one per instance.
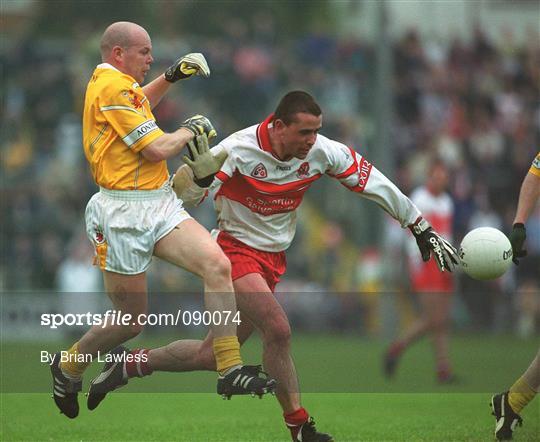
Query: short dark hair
{"type": "Point", "coordinates": [295, 102]}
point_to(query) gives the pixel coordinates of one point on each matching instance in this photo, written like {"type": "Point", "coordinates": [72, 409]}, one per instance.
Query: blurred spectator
{"type": "Point", "coordinates": [528, 308]}
{"type": "Point", "coordinates": [76, 273]}
{"type": "Point", "coordinates": [78, 282]}
{"type": "Point", "coordinates": [433, 289]}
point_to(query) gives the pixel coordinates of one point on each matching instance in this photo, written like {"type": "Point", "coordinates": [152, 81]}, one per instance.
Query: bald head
{"type": "Point", "coordinates": [123, 34]}
{"type": "Point", "coordinates": [127, 47]}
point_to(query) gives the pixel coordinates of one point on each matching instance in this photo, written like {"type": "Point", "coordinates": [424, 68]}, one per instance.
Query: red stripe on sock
{"type": "Point", "coordinates": [137, 363]}
{"type": "Point", "coordinates": [297, 417]}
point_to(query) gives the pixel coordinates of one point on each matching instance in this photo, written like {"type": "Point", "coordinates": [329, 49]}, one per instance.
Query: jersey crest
{"type": "Point", "coordinates": [259, 171]}
{"type": "Point", "coordinates": [303, 170]}
{"type": "Point", "coordinates": [133, 99]}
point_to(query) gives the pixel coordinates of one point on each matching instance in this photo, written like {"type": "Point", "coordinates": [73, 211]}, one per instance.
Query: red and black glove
{"type": "Point", "coordinates": [430, 242]}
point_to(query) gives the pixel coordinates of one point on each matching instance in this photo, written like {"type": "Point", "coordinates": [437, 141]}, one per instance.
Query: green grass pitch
{"type": "Point", "coordinates": [340, 377]}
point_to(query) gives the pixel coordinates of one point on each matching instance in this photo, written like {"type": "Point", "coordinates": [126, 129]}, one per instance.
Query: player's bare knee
{"type": "Point", "coordinates": [217, 268]}
{"type": "Point", "coordinates": [277, 332]}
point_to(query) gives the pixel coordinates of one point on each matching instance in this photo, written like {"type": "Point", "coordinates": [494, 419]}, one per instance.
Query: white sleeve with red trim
{"type": "Point", "coordinates": [360, 176]}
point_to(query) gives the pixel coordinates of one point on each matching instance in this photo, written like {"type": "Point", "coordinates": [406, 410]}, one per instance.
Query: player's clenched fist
{"type": "Point", "coordinates": [187, 66]}
{"type": "Point", "coordinates": [198, 125]}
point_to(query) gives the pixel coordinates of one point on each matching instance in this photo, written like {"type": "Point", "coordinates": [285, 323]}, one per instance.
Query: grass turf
{"type": "Point", "coordinates": [204, 417]}
{"type": "Point", "coordinates": [345, 393]}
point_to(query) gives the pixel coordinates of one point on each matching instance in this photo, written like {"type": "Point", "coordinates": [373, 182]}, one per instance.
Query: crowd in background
{"type": "Point", "coordinates": [475, 105]}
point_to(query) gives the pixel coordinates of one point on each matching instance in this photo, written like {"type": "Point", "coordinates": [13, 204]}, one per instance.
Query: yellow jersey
{"type": "Point", "coordinates": [117, 125]}
{"type": "Point", "coordinates": [535, 166]}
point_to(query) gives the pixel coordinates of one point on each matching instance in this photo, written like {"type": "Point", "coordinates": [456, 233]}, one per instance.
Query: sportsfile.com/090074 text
{"type": "Point", "coordinates": [116, 317]}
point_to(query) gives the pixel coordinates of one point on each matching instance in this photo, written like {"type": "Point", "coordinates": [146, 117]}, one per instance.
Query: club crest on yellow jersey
{"type": "Point", "coordinates": [133, 98]}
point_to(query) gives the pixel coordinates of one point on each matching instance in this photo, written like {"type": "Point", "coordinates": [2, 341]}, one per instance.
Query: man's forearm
{"type": "Point", "coordinates": [528, 197]}
{"type": "Point", "coordinates": [168, 145]}
{"type": "Point", "coordinates": [387, 196]}
{"type": "Point", "coordinates": [156, 89]}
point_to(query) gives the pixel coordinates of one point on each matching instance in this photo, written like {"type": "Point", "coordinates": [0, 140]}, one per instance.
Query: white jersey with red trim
{"type": "Point", "coordinates": [257, 193]}
{"type": "Point", "coordinates": [439, 211]}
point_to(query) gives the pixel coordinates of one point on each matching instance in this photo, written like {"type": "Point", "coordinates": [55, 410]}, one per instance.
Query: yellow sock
{"type": "Point", "coordinates": [74, 363]}
{"type": "Point", "coordinates": [520, 395]}
{"type": "Point", "coordinates": [227, 352]}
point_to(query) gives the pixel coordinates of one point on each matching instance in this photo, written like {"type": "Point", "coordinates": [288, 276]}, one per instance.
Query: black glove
{"type": "Point", "coordinates": [199, 125]}
{"type": "Point", "coordinates": [187, 66]}
{"type": "Point", "coordinates": [430, 242]}
{"type": "Point", "coordinates": [517, 238]}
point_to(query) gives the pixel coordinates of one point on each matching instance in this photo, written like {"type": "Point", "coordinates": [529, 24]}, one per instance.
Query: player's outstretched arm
{"type": "Point", "coordinates": [430, 242]}
{"type": "Point", "coordinates": [185, 67]}
{"type": "Point", "coordinates": [169, 145]}
{"type": "Point", "coordinates": [372, 184]}
{"type": "Point", "coordinates": [528, 197]}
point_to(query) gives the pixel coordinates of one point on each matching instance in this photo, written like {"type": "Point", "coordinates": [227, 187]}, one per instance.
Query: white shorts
{"type": "Point", "coordinates": [124, 226]}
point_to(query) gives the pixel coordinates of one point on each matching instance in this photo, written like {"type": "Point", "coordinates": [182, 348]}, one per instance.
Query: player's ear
{"type": "Point", "coordinates": [117, 52]}
{"type": "Point", "coordinates": [279, 124]}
